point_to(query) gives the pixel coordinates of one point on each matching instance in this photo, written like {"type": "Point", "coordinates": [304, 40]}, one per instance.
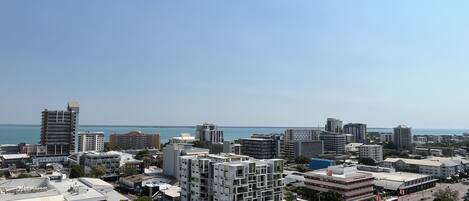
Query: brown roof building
{"type": "Point", "coordinates": [134, 140]}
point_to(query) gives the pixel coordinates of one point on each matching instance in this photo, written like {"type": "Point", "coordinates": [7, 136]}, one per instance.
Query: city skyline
{"type": "Point", "coordinates": [236, 63]}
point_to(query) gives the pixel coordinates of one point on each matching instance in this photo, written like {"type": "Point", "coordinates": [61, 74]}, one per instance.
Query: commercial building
{"type": "Point", "coordinates": [334, 125]}
{"type": "Point", "coordinates": [208, 132]}
{"type": "Point", "coordinates": [32, 149]}
{"type": "Point", "coordinates": [301, 134]}
{"type": "Point", "coordinates": [403, 137]}
{"type": "Point", "coordinates": [398, 182]}
{"type": "Point", "coordinates": [357, 130]}
{"type": "Point", "coordinates": [347, 181]}
{"type": "Point", "coordinates": [230, 177]}
{"type": "Point", "coordinates": [333, 142]}
{"type": "Point", "coordinates": [374, 152]}
{"type": "Point", "coordinates": [442, 168]}
{"type": "Point", "coordinates": [134, 140]}
{"type": "Point", "coordinates": [90, 141]}
{"type": "Point", "coordinates": [319, 163]}
{"type": "Point", "coordinates": [260, 148]}
{"type": "Point", "coordinates": [59, 130]}
{"type": "Point", "coordinates": [14, 160]}
{"type": "Point", "coordinates": [171, 153]}
{"type": "Point", "coordinates": [81, 189]}
{"type": "Point", "coordinates": [183, 138]}
{"type": "Point", "coordinates": [110, 161]}
{"type": "Point", "coordinates": [352, 147]}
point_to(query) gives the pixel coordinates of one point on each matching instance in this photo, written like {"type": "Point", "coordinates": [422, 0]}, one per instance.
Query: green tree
{"type": "Point", "coordinates": [130, 171]}
{"type": "Point", "coordinates": [141, 154]}
{"type": "Point", "coordinates": [446, 195]}
{"type": "Point", "coordinates": [367, 161]}
{"type": "Point", "coordinates": [77, 171]}
{"type": "Point", "coordinates": [289, 196]}
{"type": "Point", "coordinates": [98, 171]}
{"type": "Point", "coordinates": [332, 196]}
{"type": "Point", "coordinates": [302, 160]}
{"type": "Point", "coordinates": [143, 198]}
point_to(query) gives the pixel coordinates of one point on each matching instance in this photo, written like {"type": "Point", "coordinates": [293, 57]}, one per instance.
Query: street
{"type": "Point", "coordinates": [428, 194]}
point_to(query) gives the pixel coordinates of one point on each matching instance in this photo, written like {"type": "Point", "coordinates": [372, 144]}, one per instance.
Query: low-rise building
{"type": "Point", "coordinates": [320, 163]}
{"type": "Point", "coordinates": [442, 168]}
{"type": "Point", "coordinates": [347, 181]}
{"type": "Point", "coordinates": [110, 161]}
{"type": "Point", "coordinates": [82, 189]}
{"type": "Point", "coordinates": [14, 160]}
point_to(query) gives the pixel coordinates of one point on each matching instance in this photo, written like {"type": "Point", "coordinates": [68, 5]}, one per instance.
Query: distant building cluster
{"type": "Point", "coordinates": [344, 159]}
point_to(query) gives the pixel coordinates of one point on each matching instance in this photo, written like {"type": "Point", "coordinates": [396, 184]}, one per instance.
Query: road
{"type": "Point", "coordinates": [428, 194]}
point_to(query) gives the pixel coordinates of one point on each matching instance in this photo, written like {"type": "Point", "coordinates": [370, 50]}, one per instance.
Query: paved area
{"type": "Point", "coordinates": [428, 194]}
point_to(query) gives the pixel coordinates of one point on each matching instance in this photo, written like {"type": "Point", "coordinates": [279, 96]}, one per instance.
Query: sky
{"type": "Point", "coordinates": [238, 63]}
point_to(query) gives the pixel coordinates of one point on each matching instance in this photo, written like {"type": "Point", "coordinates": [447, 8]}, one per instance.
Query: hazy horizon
{"type": "Point", "coordinates": [244, 63]}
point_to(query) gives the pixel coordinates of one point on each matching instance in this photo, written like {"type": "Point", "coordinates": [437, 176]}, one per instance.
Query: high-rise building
{"type": "Point", "coordinates": [385, 137]}
{"type": "Point", "coordinates": [134, 140]}
{"type": "Point", "coordinates": [259, 148]}
{"type": "Point", "coordinates": [302, 134]}
{"type": "Point", "coordinates": [334, 125]}
{"type": "Point", "coordinates": [403, 137]}
{"type": "Point", "coordinates": [231, 147]}
{"type": "Point", "coordinates": [209, 133]}
{"type": "Point", "coordinates": [353, 185]}
{"type": "Point", "coordinates": [357, 130]}
{"type": "Point", "coordinates": [230, 177]}
{"type": "Point", "coordinates": [374, 152]}
{"type": "Point", "coordinates": [171, 153]}
{"type": "Point", "coordinates": [59, 129]}
{"type": "Point", "coordinates": [90, 141]}
{"type": "Point", "coordinates": [333, 142]}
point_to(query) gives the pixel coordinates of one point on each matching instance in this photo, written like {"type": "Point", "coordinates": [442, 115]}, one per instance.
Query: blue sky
{"type": "Point", "coordinates": [274, 63]}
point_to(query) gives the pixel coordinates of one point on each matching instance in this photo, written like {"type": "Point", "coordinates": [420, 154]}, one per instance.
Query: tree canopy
{"type": "Point", "coordinates": [77, 171]}
{"type": "Point", "coordinates": [446, 195]}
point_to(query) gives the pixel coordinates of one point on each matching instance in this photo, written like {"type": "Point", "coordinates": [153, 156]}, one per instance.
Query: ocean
{"type": "Point", "coordinates": [13, 134]}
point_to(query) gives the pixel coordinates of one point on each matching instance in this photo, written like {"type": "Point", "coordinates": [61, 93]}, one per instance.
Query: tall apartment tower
{"type": "Point", "coordinates": [209, 133]}
{"type": "Point", "coordinates": [90, 141]}
{"type": "Point", "coordinates": [357, 130]}
{"type": "Point", "coordinates": [403, 137]}
{"type": "Point", "coordinates": [230, 177]}
{"type": "Point", "coordinates": [334, 125]}
{"type": "Point", "coordinates": [59, 129]}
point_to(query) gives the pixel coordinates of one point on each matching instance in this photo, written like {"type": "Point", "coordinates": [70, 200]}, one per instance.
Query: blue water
{"type": "Point", "coordinates": [13, 134]}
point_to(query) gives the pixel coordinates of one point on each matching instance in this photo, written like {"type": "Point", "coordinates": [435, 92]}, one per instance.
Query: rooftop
{"type": "Point", "coordinates": [14, 156]}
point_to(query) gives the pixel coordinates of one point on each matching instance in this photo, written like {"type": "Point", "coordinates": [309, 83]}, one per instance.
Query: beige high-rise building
{"type": "Point", "coordinates": [134, 140]}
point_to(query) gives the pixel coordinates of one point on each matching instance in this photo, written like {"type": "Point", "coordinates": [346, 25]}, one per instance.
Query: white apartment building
{"type": "Point", "coordinates": [109, 160]}
{"type": "Point", "coordinates": [90, 141]}
{"type": "Point", "coordinates": [171, 153]}
{"type": "Point", "coordinates": [233, 177]}
{"type": "Point", "coordinates": [438, 167]}
{"type": "Point", "coordinates": [302, 134]}
{"type": "Point", "coordinates": [374, 152]}
{"type": "Point", "coordinates": [350, 183]}
{"type": "Point", "coordinates": [386, 137]}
